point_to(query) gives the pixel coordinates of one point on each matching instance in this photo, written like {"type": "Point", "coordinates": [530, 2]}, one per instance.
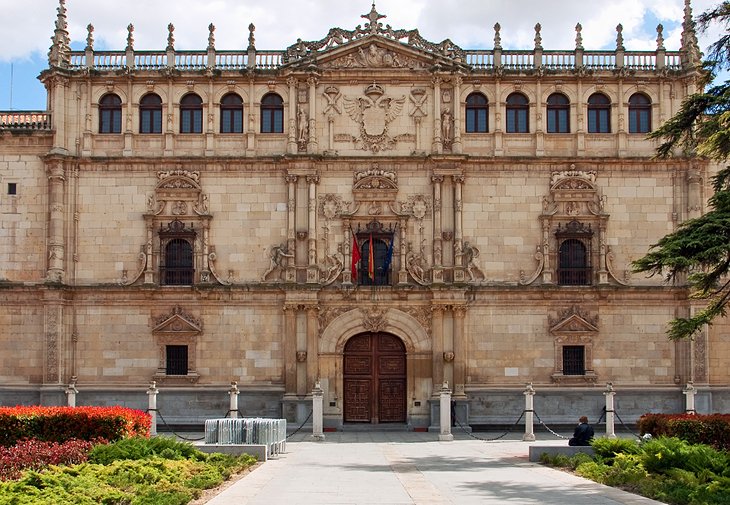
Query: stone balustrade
{"type": "Point", "coordinates": [25, 120]}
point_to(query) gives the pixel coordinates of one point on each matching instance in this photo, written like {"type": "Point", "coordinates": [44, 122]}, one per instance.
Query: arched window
{"type": "Point", "coordinates": [178, 267]}
{"type": "Point", "coordinates": [191, 114]}
{"type": "Point", "coordinates": [599, 113]}
{"type": "Point", "coordinates": [558, 113]}
{"type": "Point", "coordinates": [150, 114]}
{"type": "Point", "coordinates": [272, 114]}
{"type": "Point", "coordinates": [517, 113]}
{"type": "Point", "coordinates": [639, 113]}
{"type": "Point", "coordinates": [231, 114]}
{"type": "Point", "coordinates": [477, 111]}
{"type": "Point", "coordinates": [110, 114]}
{"type": "Point", "coordinates": [573, 263]}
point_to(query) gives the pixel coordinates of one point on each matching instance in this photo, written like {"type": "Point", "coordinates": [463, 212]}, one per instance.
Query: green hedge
{"type": "Point", "coordinates": [711, 430]}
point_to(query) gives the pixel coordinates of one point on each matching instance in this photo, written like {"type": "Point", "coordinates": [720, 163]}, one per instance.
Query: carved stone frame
{"type": "Point", "coordinates": [176, 328]}
{"type": "Point", "coordinates": [573, 327]}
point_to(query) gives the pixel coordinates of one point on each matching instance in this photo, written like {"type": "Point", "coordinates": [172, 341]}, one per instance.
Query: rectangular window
{"type": "Point", "coordinates": [12, 188]}
{"type": "Point", "coordinates": [476, 121]}
{"type": "Point", "coordinates": [176, 359]}
{"type": "Point", "coordinates": [598, 121]}
{"type": "Point", "coordinates": [574, 360]}
{"type": "Point", "coordinates": [517, 121]}
{"type": "Point", "coordinates": [150, 121]}
{"type": "Point", "coordinates": [557, 121]}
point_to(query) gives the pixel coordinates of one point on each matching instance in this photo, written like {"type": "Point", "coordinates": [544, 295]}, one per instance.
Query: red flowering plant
{"type": "Point", "coordinates": [33, 454]}
{"type": "Point", "coordinates": [711, 429]}
{"type": "Point", "coordinates": [59, 424]}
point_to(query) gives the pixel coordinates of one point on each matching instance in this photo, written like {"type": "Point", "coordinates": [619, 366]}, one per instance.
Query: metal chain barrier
{"type": "Point", "coordinates": [173, 431]}
{"type": "Point", "coordinates": [456, 420]}
{"type": "Point", "coordinates": [625, 426]}
{"type": "Point", "coordinates": [546, 426]}
{"type": "Point", "coordinates": [300, 426]}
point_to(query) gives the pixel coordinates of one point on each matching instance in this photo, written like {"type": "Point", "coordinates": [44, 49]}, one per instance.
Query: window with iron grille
{"type": "Point", "coordinates": [574, 254]}
{"type": "Point", "coordinates": [176, 360]}
{"type": "Point", "coordinates": [177, 262]}
{"type": "Point", "coordinates": [574, 360]}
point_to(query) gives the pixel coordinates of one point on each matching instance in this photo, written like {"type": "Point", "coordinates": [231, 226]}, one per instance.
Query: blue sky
{"type": "Point", "coordinates": [28, 26]}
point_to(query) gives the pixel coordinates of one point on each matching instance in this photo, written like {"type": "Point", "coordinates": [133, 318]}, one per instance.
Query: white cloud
{"type": "Point", "coordinates": [28, 25]}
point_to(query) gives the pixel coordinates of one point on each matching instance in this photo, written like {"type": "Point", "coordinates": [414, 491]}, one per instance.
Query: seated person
{"type": "Point", "coordinates": [583, 433]}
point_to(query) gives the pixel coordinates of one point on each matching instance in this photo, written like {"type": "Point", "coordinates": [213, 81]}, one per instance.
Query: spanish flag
{"type": "Point", "coordinates": [355, 257]}
{"type": "Point", "coordinates": [371, 263]}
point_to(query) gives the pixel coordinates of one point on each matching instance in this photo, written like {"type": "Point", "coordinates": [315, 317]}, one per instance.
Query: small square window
{"type": "Point", "coordinates": [177, 360]}
{"type": "Point", "coordinates": [12, 188]}
{"type": "Point", "coordinates": [574, 360]}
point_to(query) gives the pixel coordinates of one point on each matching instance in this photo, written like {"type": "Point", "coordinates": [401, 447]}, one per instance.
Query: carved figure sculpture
{"type": "Point", "coordinates": [446, 124]}
{"type": "Point", "coordinates": [277, 254]}
{"type": "Point", "coordinates": [471, 253]}
{"type": "Point", "coordinates": [302, 125]}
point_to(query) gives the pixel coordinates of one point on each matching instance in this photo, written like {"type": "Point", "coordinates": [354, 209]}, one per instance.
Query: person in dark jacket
{"type": "Point", "coordinates": [583, 433]}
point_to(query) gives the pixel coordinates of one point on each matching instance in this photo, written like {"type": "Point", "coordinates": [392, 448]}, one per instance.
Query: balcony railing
{"type": "Point", "coordinates": [481, 59]}
{"type": "Point", "coordinates": [25, 120]}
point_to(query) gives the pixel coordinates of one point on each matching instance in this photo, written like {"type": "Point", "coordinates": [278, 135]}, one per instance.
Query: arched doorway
{"type": "Point", "coordinates": [375, 379]}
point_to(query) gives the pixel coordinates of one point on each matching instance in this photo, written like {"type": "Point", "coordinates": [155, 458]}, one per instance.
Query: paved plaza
{"type": "Point", "coordinates": [404, 468]}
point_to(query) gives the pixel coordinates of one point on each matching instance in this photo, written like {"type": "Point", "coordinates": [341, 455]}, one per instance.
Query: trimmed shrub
{"type": "Point", "coordinates": [36, 455]}
{"type": "Point", "coordinates": [711, 430]}
{"type": "Point", "coordinates": [141, 448]}
{"type": "Point", "coordinates": [59, 424]}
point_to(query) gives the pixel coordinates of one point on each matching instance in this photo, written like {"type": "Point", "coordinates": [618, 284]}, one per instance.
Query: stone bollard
{"type": "Point", "coordinates": [445, 414]}
{"type": "Point", "coordinates": [317, 412]}
{"type": "Point", "coordinates": [71, 392]}
{"type": "Point", "coordinates": [610, 413]}
{"type": "Point", "coordinates": [152, 407]}
{"type": "Point", "coordinates": [690, 392]}
{"type": "Point", "coordinates": [233, 392]}
{"type": "Point", "coordinates": [529, 393]}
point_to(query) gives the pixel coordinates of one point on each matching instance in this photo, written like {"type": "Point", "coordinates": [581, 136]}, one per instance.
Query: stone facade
{"type": "Point", "coordinates": [366, 133]}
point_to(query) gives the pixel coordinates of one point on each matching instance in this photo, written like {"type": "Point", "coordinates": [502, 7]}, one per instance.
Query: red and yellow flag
{"type": "Point", "coordinates": [355, 257]}
{"type": "Point", "coordinates": [371, 262]}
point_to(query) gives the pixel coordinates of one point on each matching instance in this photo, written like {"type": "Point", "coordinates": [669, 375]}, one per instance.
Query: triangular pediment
{"type": "Point", "coordinates": [572, 321]}
{"type": "Point", "coordinates": [373, 46]}
{"type": "Point", "coordinates": [178, 323]}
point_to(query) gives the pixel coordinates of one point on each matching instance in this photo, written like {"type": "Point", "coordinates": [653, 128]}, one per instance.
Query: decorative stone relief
{"type": "Point", "coordinates": [573, 319]}
{"type": "Point", "coordinates": [375, 178]}
{"type": "Point", "coordinates": [416, 264]}
{"type": "Point", "coordinates": [373, 319]}
{"type": "Point", "coordinates": [327, 314]}
{"type": "Point", "coordinates": [470, 253]}
{"type": "Point", "coordinates": [332, 95]}
{"type": "Point", "coordinates": [422, 315]}
{"type": "Point", "coordinates": [277, 256]}
{"type": "Point", "coordinates": [53, 316]}
{"type": "Point", "coordinates": [418, 98]}
{"type": "Point", "coordinates": [373, 112]}
{"type": "Point", "coordinates": [374, 56]}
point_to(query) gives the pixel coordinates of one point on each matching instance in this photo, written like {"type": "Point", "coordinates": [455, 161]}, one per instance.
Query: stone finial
{"type": "Point", "coordinates": [689, 37]}
{"type": "Point", "coordinates": [497, 36]}
{"type": "Point", "coordinates": [211, 36]}
{"type": "Point", "coordinates": [170, 37]}
{"type": "Point", "coordinates": [130, 37]}
{"type": "Point", "coordinates": [538, 37]}
{"type": "Point", "coordinates": [578, 36]}
{"type": "Point", "coordinates": [620, 37]}
{"type": "Point", "coordinates": [251, 39]}
{"type": "Point", "coordinates": [373, 16]}
{"type": "Point", "coordinates": [89, 37]}
{"type": "Point", "coordinates": [660, 37]}
{"type": "Point", "coordinates": [59, 52]}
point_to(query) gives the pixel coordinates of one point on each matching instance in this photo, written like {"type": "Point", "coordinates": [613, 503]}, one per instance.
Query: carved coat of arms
{"type": "Point", "coordinates": [374, 112]}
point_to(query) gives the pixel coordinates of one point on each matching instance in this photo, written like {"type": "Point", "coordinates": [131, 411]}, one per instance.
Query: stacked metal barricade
{"type": "Point", "coordinates": [248, 431]}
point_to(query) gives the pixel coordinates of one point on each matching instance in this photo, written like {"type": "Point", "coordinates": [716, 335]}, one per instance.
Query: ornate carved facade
{"type": "Point", "coordinates": [203, 217]}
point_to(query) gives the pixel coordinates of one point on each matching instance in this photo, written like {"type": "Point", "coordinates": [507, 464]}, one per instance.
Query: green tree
{"type": "Point", "coordinates": [700, 248]}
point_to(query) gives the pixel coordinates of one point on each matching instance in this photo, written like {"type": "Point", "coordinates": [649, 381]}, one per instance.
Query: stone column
{"type": "Point", "coordinates": [456, 147]}
{"type": "Point", "coordinates": [347, 251]}
{"type": "Point", "coordinates": [460, 351]}
{"type": "Point", "coordinates": [312, 344]}
{"type": "Point", "coordinates": [312, 268]}
{"type": "Point", "coordinates": [291, 234]}
{"type": "Point", "coordinates": [290, 350]}
{"type": "Point", "coordinates": [694, 193]}
{"type": "Point", "coordinates": [71, 393]}
{"type": "Point", "coordinates": [437, 146]}
{"type": "Point", "coordinates": [403, 272]}
{"type": "Point", "coordinates": [601, 269]}
{"type": "Point", "coordinates": [56, 226]}
{"type": "Point", "coordinates": [459, 273]}
{"type": "Point", "coordinates": [437, 323]}
{"type": "Point", "coordinates": [233, 400]}
{"type": "Point", "coordinates": [529, 393]}
{"type": "Point", "coordinates": [59, 115]}
{"type": "Point", "coordinates": [205, 260]}
{"type": "Point", "coordinates": [291, 145]}
{"type": "Point", "coordinates": [445, 414]}
{"type": "Point", "coordinates": [610, 412]}
{"type": "Point", "coordinates": [317, 412]}
{"type": "Point", "coordinates": [312, 145]}
{"type": "Point", "coordinates": [251, 126]}
{"type": "Point", "coordinates": [437, 271]}
{"type": "Point", "coordinates": [689, 392]}
{"type": "Point", "coordinates": [149, 272]}
{"type": "Point", "coordinates": [152, 407]}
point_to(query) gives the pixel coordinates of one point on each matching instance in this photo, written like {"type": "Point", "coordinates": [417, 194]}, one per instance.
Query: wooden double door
{"type": "Point", "coordinates": [375, 379]}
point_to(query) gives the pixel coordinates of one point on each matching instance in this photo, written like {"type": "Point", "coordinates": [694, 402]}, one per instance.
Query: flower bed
{"type": "Point", "coordinates": [711, 430]}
